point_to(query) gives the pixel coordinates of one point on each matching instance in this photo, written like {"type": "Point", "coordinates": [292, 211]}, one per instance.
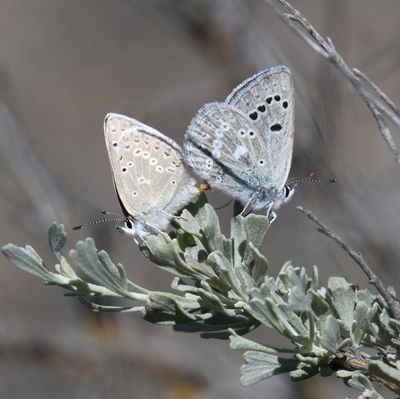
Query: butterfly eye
{"type": "Point", "coordinates": [285, 104]}
{"type": "Point", "coordinates": [287, 191]}
{"type": "Point", "coordinates": [128, 224]}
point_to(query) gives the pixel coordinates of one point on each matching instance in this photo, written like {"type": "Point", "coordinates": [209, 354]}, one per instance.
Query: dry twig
{"type": "Point", "coordinates": [378, 102]}
{"type": "Point", "coordinates": [392, 305]}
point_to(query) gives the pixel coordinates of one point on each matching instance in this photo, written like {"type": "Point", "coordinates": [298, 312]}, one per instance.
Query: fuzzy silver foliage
{"type": "Point", "coordinates": [222, 290]}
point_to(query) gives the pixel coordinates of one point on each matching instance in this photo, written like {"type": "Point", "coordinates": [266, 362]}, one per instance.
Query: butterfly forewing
{"type": "Point", "coordinates": [148, 171]}
{"type": "Point", "coordinates": [267, 99]}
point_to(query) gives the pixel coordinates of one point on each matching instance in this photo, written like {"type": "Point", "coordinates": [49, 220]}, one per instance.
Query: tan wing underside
{"type": "Point", "coordinates": [148, 172]}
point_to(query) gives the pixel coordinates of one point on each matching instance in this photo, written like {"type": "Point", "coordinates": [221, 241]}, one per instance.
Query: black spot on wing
{"type": "Point", "coordinates": [276, 128]}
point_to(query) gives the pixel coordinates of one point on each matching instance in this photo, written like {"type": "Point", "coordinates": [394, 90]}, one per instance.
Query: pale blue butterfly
{"type": "Point", "coordinates": [150, 177]}
{"type": "Point", "coordinates": [244, 145]}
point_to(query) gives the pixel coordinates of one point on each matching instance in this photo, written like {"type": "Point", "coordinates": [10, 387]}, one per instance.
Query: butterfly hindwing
{"type": "Point", "coordinates": [149, 175]}
{"type": "Point", "coordinates": [225, 148]}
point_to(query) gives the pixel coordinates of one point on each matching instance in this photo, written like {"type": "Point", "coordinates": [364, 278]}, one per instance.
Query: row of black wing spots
{"type": "Point", "coordinates": [261, 108]}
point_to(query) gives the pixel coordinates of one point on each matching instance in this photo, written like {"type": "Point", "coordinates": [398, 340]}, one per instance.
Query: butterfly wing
{"type": "Point", "coordinates": [267, 99]}
{"type": "Point", "coordinates": [223, 146]}
{"type": "Point", "coordinates": [151, 180]}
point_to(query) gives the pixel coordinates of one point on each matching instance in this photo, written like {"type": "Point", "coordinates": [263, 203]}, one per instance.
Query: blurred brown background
{"type": "Point", "coordinates": [65, 64]}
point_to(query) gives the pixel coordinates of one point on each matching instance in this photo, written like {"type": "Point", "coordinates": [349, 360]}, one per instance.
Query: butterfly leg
{"type": "Point", "coordinates": [248, 203]}
{"type": "Point", "coordinates": [271, 215]}
{"type": "Point", "coordinates": [172, 216]}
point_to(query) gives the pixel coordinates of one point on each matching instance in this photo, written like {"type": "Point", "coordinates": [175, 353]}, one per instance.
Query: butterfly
{"type": "Point", "coordinates": [243, 146]}
{"type": "Point", "coordinates": [150, 178]}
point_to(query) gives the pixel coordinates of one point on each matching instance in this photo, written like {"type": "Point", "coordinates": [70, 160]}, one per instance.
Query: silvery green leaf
{"type": "Point", "coordinates": [384, 320]}
{"type": "Point", "coordinates": [260, 264]}
{"type": "Point", "coordinates": [209, 224]}
{"type": "Point", "coordinates": [213, 302]}
{"type": "Point", "coordinates": [362, 383]}
{"type": "Point", "coordinates": [315, 278]}
{"type": "Point", "coordinates": [94, 307]}
{"type": "Point", "coordinates": [344, 373]}
{"type": "Point", "coordinates": [280, 286]}
{"type": "Point", "coordinates": [264, 314]}
{"type": "Point", "coordinates": [256, 227]}
{"type": "Point", "coordinates": [65, 269]}
{"type": "Point", "coordinates": [330, 334]}
{"type": "Point", "coordinates": [343, 298]}
{"type": "Point", "coordinates": [218, 262]}
{"type": "Point", "coordinates": [218, 326]}
{"type": "Point", "coordinates": [389, 374]}
{"type": "Point", "coordinates": [295, 322]}
{"type": "Point", "coordinates": [298, 300]}
{"type": "Point", "coordinates": [98, 266]}
{"type": "Point", "coordinates": [238, 235]}
{"type": "Point", "coordinates": [293, 277]}
{"type": "Point", "coordinates": [246, 280]}
{"type": "Point", "coordinates": [260, 366]}
{"type": "Point", "coordinates": [227, 248]}
{"type": "Point", "coordinates": [238, 342]}
{"type": "Point", "coordinates": [28, 260]}
{"type": "Point", "coordinates": [109, 266]}
{"type": "Point", "coordinates": [319, 305]}
{"type": "Point", "coordinates": [57, 238]}
{"type": "Point", "coordinates": [185, 240]}
{"type": "Point", "coordinates": [304, 371]}
{"type": "Point", "coordinates": [365, 296]}
{"type": "Point", "coordinates": [360, 323]}
{"type": "Point", "coordinates": [166, 253]}
{"type": "Point", "coordinates": [270, 314]}
{"type": "Point", "coordinates": [168, 309]}
{"type": "Point", "coordinates": [189, 223]}
{"type": "Point", "coordinates": [267, 290]}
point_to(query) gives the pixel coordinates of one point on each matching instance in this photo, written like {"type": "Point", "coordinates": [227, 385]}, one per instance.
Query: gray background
{"type": "Point", "coordinates": [65, 64]}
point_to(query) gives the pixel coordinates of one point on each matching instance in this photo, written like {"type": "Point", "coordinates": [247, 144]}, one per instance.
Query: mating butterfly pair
{"type": "Point", "coordinates": [242, 146]}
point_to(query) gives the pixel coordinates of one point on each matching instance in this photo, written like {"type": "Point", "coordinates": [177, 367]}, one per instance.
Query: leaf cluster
{"type": "Point", "coordinates": [222, 290]}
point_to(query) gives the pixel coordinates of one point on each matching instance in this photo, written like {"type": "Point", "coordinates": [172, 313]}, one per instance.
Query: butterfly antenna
{"type": "Point", "coordinates": [309, 179]}
{"type": "Point", "coordinates": [82, 226]}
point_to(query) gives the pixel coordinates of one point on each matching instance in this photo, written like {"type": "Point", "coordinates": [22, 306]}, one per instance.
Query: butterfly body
{"type": "Point", "coordinates": [244, 145]}
{"type": "Point", "coordinates": [150, 178]}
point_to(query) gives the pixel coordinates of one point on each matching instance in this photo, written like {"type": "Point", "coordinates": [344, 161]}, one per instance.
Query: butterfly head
{"type": "Point", "coordinates": [273, 197]}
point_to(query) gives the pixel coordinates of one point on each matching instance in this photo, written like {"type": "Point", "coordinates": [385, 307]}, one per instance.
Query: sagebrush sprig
{"type": "Point", "coordinates": [222, 289]}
